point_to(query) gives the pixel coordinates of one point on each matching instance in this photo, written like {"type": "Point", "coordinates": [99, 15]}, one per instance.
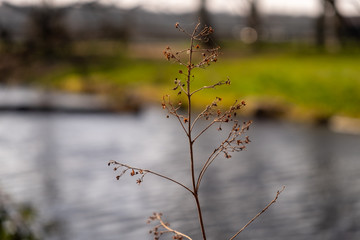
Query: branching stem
{"type": "Point", "coordinates": [191, 142]}
{"type": "Point", "coordinates": [151, 172]}
{"type": "Point", "coordinates": [257, 215]}
{"type": "Point", "coordinates": [233, 141]}
{"type": "Point", "coordinates": [166, 226]}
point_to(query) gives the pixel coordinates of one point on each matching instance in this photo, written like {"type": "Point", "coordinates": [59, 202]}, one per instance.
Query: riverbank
{"type": "Point", "coordinates": [306, 86]}
{"type": "Point", "coordinates": [26, 99]}
{"type": "Point", "coordinates": [321, 84]}
{"type": "Point", "coordinates": [29, 99]}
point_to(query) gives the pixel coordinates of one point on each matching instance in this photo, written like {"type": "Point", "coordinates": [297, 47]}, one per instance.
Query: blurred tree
{"type": "Point", "coordinates": [205, 21]}
{"type": "Point", "coordinates": [6, 40]}
{"type": "Point", "coordinates": [105, 23]}
{"type": "Point", "coordinates": [203, 14]}
{"type": "Point", "coordinates": [320, 28]}
{"type": "Point", "coordinates": [332, 28]}
{"type": "Point", "coordinates": [254, 21]}
{"type": "Point", "coordinates": [46, 32]}
{"type": "Point", "coordinates": [328, 23]}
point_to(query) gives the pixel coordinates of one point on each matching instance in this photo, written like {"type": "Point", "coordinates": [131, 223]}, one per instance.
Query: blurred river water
{"type": "Point", "coordinates": [58, 163]}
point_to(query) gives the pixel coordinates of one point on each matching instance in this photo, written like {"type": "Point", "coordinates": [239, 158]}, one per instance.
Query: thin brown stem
{"type": "Point", "coordinates": [191, 142]}
{"type": "Point", "coordinates": [170, 179]}
{"type": "Point", "coordinates": [189, 112]}
{"type": "Point", "coordinates": [151, 172]}
{"type": "Point", "coordinates": [206, 165]}
{"type": "Point", "coordinates": [207, 87]}
{"type": "Point", "coordinates": [173, 111]}
{"type": "Point", "coordinates": [198, 117]}
{"type": "Point", "coordinates": [205, 129]}
{"type": "Point", "coordinates": [257, 215]}
{"type": "Point", "coordinates": [164, 225]}
{"type": "Point", "coordinates": [211, 158]}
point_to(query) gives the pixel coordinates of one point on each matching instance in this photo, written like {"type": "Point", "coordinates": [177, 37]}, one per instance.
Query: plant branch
{"type": "Point", "coordinates": [170, 229]}
{"type": "Point", "coordinates": [191, 142]}
{"type": "Point", "coordinates": [211, 158]}
{"type": "Point", "coordinates": [207, 87]}
{"type": "Point", "coordinates": [199, 116]}
{"type": "Point", "coordinates": [257, 215]}
{"type": "Point", "coordinates": [143, 172]}
{"type": "Point", "coordinates": [173, 111]}
{"type": "Point", "coordinates": [205, 129]}
{"type": "Point", "coordinates": [156, 230]}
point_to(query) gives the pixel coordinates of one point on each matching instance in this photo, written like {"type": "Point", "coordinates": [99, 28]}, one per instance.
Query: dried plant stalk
{"type": "Point", "coordinates": [235, 141]}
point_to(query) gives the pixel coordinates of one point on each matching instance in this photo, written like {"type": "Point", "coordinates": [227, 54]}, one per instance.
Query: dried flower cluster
{"type": "Point", "coordinates": [133, 171]}
{"type": "Point", "coordinates": [213, 114]}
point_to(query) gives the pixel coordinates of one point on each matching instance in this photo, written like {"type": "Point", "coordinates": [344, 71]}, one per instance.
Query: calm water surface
{"type": "Point", "coordinates": [58, 163]}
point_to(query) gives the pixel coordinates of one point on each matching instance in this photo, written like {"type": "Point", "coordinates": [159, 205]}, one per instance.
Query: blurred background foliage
{"type": "Point", "coordinates": [16, 220]}
{"type": "Point", "coordinates": [304, 65]}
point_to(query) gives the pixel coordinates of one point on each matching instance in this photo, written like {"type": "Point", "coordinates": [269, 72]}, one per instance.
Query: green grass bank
{"type": "Point", "coordinates": [307, 85]}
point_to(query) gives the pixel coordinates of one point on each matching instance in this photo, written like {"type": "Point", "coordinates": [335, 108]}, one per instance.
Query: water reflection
{"type": "Point", "coordinates": [58, 162]}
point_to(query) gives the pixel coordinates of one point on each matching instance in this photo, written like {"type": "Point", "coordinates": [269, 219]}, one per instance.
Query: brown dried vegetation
{"type": "Point", "coordinates": [213, 114]}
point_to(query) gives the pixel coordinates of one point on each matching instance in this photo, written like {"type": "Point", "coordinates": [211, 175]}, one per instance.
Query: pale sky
{"type": "Point", "coordinates": [292, 7]}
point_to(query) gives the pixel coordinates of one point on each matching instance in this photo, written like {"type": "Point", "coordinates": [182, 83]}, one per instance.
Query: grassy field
{"type": "Point", "coordinates": [312, 84]}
